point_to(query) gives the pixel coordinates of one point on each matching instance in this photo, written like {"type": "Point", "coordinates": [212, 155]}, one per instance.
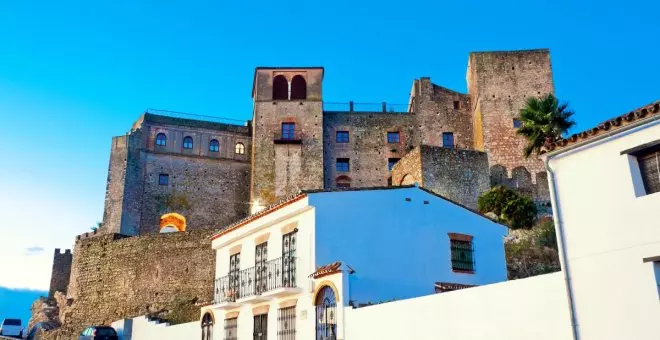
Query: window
{"type": "Point", "coordinates": [342, 137]}
{"type": "Point", "coordinates": [393, 137]}
{"type": "Point", "coordinates": [448, 140]}
{"type": "Point", "coordinates": [187, 142]}
{"type": "Point", "coordinates": [280, 88]}
{"type": "Point", "coordinates": [240, 148]}
{"type": "Point", "coordinates": [214, 145]}
{"type": "Point", "coordinates": [298, 88]}
{"type": "Point", "coordinates": [260, 327]}
{"type": "Point", "coordinates": [288, 130]}
{"type": "Point", "coordinates": [231, 326]}
{"type": "Point", "coordinates": [207, 327]}
{"type": "Point", "coordinates": [462, 259]}
{"type": "Point", "coordinates": [286, 323]}
{"type": "Point", "coordinates": [457, 105]}
{"type": "Point", "coordinates": [163, 179]}
{"type": "Point", "coordinates": [326, 313]}
{"type": "Point", "coordinates": [517, 123]}
{"type": "Point", "coordinates": [161, 139]}
{"type": "Point", "coordinates": [342, 165]}
{"type": "Point", "coordinates": [260, 277]}
{"type": "Point", "coordinates": [343, 181]}
{"type": "Point", "coordinates": [391, 162]}
{"type": "Point", "coordinates": [234, 276]}
{"type": "Point", "coordinates": [289, 259]}
{"type": "Point", "coordinates": [649, 167]}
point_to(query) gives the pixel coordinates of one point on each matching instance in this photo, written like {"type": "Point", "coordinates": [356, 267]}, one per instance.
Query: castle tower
{"type": "Point", "coordinates": [499, 83]}
{"type": "Point", "coordinates": [59, 279]}
{"type": "Point", "coordinates": [287, 146]}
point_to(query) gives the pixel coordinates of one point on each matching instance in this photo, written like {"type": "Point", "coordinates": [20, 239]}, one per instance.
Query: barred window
{"type": "Point", "coordinates": [649, 166]}
{"type": "Point", "coordinates": [342, 165]}
{"type": "Point", "coordinates": [231, 326]}
{"type": "Point", "coordinates": [286, 323]}
{"type": "Point", "coordinates": [342, 137]}
{"type": "Point", "coordinates": [462, 253]}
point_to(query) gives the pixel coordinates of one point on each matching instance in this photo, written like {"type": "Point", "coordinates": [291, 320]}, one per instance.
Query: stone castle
{"type": "Point", "coordinates": [214, 173]}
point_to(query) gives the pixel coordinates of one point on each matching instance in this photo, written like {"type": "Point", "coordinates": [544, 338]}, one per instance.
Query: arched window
{"type": "Point", "coordinates": [187, 142]}
{"type": "Point", "coordinates": [326, 314]}
{"type": "Point", "coordinates": [214, 145]}
{"type": "Point", "coordinates": [280, 88]}
{"type": "Point", "coordinates": [240, 148]}
{"type": "Point", "coordinates": [298, 88]}
{"type": "Point", "coordinates": [343, 181]}
{"type": "Point", "coordinates": [161, 139]}
{"type": "Point", "coordinates": [207, 327]}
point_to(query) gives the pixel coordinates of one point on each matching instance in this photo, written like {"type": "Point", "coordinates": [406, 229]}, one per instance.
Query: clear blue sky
{"type": "Point", "coordinates": [75, 73]}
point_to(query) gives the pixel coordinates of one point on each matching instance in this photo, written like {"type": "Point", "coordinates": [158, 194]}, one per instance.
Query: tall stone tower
{"type": "Point", "coordinates": [499, 83]}
{"type": "Point", "coordinates": [287, 146]}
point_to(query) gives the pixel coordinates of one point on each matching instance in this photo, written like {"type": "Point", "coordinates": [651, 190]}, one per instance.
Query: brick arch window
{"type": "Point", "coordinates": [343, 181]}
{"type": "Point", "coordinates": [161, 139]}
{"type": "Point", "coordinates": [207, 327]}
{"type": "Point", "coordinates": [280, 88]}
{"type": "Point", "coordinates": [214, 145]}
{"type": "Point", "coordinates": [240, 149]}
{"type": "Point", "coordinates": [187, 142]}
{"type": "Point", "coordinates": [298, 87]}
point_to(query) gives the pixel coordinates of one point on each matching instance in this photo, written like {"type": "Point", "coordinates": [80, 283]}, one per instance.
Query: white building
{"type": "Point", "coordinates": [290, 271]}
{"type": "Point", "coordinates": [604, 184]}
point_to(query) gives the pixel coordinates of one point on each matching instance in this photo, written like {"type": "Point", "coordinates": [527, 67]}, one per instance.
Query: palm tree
{"type": "Point", "coordinates": [543, 120]}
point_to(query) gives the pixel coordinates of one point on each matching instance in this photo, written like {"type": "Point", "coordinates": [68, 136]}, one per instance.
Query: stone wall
{"type": "Point", "coordinates": [59, 277]}
{"type": "Point", "coordinates": [368, 150]}
{"type": "Point", "coordinates": [115, 277]}
{"type": "Point", "coordinates": [408, 170]}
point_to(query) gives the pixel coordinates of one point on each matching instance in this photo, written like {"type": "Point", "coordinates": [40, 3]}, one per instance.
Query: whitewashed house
{"type": "Point", "coordinates": [291, 270]}
{"type": "Point", "coordinates": [605, 186]}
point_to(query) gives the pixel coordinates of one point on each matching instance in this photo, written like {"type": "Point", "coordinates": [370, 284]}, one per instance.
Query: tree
{"type": "Point", "coordinates": [543, 120]}
{"type": "Point", "coordinates": [510, 208]}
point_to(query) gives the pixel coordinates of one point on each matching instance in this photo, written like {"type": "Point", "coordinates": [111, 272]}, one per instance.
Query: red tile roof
{"type": "Point", "coordinates": [326, 270]}
{"type": "Point", "coordinates": [613, 124]}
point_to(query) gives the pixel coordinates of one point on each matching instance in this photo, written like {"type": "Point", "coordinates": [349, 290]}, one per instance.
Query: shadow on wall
{"type": "Point", "coordinates": [521, 181]}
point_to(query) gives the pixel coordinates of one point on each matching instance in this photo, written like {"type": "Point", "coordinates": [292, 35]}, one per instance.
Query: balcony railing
{"type": "Point", "coordinates": [274, 274]}
{"type": "Point", "coordinates": [288, 136]}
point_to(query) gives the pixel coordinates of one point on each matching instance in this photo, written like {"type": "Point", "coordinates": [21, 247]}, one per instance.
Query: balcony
{"type": "Point", "coordinates": [275, 278]}
{"type": "Point", "coordinates": [288, 137]}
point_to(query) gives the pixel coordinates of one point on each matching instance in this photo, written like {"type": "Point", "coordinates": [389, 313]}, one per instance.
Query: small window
{"type": "Point", "coordinates": [187, 142]}
{"type": "Point", "coordinates": [649, 167]}
{"type": "Point", "coordinates": [391, 162]}
{"type": "Point", "coordinates": [240, 149]}
{"type": "Point", "coordinates": [161, 139]}
{"type": "Point", "coordinates": [462, 253]}
{"type": "Point", "coordinates": [163, 179]}
{"type": "Point", "coordinates": [231, 327]}
{"type": "Point", "coordinates": [286, 323]}
{"type": "Point", "coordinates": [457, 105]}
{"type": "Point", "coordinates": [214, 145]}
{"type": "Point", "coordinates": [393, 137]}
{"type": "Point", "coordinates": [288, 130]}
{"type": "Point", "coordinates": [342, 137]}
{"type": "Point", "coordinates": [343, 165]}
{"type": "Point", "coordinates": [448, 140]}
{"type": "Point", "coordinates": [207, 327]}
{"type": "Point", "coordinates": [298, 88]}
{"type": "Point", "coordinates": [517, 123]}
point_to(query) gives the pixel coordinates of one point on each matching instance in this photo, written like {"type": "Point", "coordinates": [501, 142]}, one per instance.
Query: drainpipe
{"type": "Point", "coordinates": [562, 249]}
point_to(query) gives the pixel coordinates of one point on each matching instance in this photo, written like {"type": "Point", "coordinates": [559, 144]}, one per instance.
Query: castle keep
{"type": "Point", "coordinates": [213, 173]}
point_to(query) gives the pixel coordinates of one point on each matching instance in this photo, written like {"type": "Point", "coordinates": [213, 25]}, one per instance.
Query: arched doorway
{"type": "Point", "coordinates": [207, 327]}
{"type": "Point", "coordinates": [326, 314]}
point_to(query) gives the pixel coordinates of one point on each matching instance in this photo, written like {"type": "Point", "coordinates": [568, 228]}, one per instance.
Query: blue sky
{"type": "Point", "coordinates": [75, 73]}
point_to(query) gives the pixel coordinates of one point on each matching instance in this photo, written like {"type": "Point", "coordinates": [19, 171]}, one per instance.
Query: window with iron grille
{"type": "Point", "coordinates": [260, 269]}
{"type": "Point", "coordinates": [288, 130]}
{"type": "Point", "coordinates": [342, 137]}
{"type": "Point", "coordinates": [391, 162]}
{"type": "Point", "coordinates": [234, 269]}
{"type": "Point", "coordinates": [448, 139]}
{"type": "Point", "coordinates": [649, 167]}
{"type": "Point", "coordinates": [342, 165]}
{"type": "Point", "coordinates": [286, 323]}
{"type": "Point", "coordinates": [207, 327]}
{"type": "Point", "coordinates": [289, 259]}
{"type": "Point", "coordinates": [260, 327]}
{"type": "Point", "coordinates": [231, 328]}
{"type": "Point", "coordinates": [393, 137]}
{"type": "Point", "coordinates": [187, 142]}
{"type": "Point", "coordinates": [462, 255]}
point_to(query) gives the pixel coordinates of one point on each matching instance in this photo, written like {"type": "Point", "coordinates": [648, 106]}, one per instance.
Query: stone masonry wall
{"type": "Point", "coordinates": [367, 150]}
{"type": "Point", "coordinates": [408, 170]}
{"type": "Point", "coordinates": [113, 277]}
{"type": "Point", "coordinates": [114, 193]}
{"type": "Point", "coordinates": [59, 279]}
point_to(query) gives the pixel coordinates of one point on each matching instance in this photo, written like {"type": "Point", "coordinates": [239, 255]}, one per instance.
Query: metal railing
{"type": "Point", "coordinates": [288, 135]}
{"type": "Point", "coordinates": [274, 274]}
{"type": "Point", "coordinates": [366, 107]}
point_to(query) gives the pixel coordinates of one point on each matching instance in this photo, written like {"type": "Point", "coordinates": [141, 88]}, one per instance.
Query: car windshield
{"type": "Point", "coordinates": [11, 322]}
{"type": "Point", "coordinates": [105, 331]}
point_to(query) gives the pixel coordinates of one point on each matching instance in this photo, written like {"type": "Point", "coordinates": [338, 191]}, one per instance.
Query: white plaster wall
{"type": "Point", "coordinates": [143, 329]}
{"type": "Point", "coordinates": [609, 228]}
{"type": "Point", "coordinates": [534, 308]}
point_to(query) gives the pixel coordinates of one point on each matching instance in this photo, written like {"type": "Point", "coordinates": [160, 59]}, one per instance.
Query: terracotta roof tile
{"type": "Point", "coordinates": [326, 270]}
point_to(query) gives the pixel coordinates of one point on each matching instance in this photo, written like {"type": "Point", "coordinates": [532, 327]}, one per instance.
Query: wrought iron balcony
{"type": "Point", "coordinates": [288, 137]}
{"type": "Point", "coordinates": [255, 281]}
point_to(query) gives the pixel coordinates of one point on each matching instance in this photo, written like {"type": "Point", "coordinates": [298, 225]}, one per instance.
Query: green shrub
{"type": "Point", "coordinates": [512, 209]}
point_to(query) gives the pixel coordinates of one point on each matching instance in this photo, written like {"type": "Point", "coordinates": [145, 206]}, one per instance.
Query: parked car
{"type": "Point", "coordinates": [98, 333]}
{"type": "Point", "coordinates": [11, 327]}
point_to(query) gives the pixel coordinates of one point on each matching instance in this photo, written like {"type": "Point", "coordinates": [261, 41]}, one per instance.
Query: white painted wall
{"type": "Point", "coordinates": [141, 328]}
{"type": "Point", "coordinates": [533, 308]}
{"type": "Point", "coordinates": [609, 227]}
